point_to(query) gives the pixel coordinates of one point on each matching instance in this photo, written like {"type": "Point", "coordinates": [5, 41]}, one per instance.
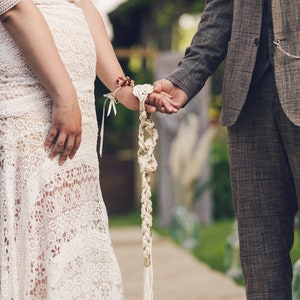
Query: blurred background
{"type": "Point", "coordinates": [191, 192]}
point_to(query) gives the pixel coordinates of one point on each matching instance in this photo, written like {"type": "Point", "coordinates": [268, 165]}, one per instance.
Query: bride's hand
{"type": "Point", "coordinates": [65, 133]}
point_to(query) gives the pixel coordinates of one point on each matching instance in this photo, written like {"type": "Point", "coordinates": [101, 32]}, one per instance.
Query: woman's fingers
{"type": "Point", "coordinates": [68, 147]}
{"type": "Point", "coordinates": [64, 136]}
{"type": "Point", "coordinates": [76, 146]}
{"type": "Point", "coordinates": [64, 145]}
{"type": "Point", "coordinates": [59, 145]}
{"type": "Point", "coordinates": [50, 138]}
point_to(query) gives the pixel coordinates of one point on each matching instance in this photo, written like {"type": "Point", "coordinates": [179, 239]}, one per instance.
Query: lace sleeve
{"type": "Point", "coordinates": [5, 5]}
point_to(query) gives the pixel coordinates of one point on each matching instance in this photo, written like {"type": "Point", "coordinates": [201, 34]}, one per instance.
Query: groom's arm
{"type": "Point", "coordinates": [207, 50]}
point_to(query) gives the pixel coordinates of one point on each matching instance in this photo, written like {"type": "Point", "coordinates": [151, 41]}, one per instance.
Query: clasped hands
{"type": "Point", "coordinates": [64, 136]}
{"type": "Point", "coordinates": [166, 98]}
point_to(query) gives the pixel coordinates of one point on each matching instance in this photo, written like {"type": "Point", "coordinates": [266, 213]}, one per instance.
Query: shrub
{"type": "Point", "coordinates": [220, 179]}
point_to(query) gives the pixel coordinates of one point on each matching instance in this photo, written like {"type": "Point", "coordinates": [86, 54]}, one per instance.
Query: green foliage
{"type": "Point", "coordinates": [132, 18]}
{"type": "Point", "coordinates": [220, 180]}
{"type": "Point", "coordinates": [213, 245]}
{"type": "Point", "coordinates": [295, 253]}
{"type": "Point", "coordinates": [167, 12]}
{"type": "Point", "coordinates": [130, 219]}
{"type": "Point", "coordinates": [215, 108]}
{"type": "Point", "coordinates": [216, 93]}
{"type": "Point", "coordinates": [165, 16]}
{"type": "Point", "coordinates": [213, 240]}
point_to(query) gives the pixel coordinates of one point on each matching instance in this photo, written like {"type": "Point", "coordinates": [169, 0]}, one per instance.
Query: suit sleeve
{"type": "Point", "coordinates": [208, 47]}
{"type": "Point", "coordinates": [6, 5]}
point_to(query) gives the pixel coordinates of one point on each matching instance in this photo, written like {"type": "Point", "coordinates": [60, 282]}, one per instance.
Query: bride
{"type": "Point", "coordinates": [54, 241]}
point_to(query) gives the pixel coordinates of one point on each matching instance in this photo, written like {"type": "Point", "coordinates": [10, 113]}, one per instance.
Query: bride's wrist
{"type": "Point", "coordinates": [124, 85]}
{"type": "Point", "coordinates": [122, 82]}
{"type": "Point", "coordinates": [65, 106]}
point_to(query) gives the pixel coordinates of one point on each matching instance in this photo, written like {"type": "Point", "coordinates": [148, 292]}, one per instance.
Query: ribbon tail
{"type": "Point", "coordinates": [112, 105]}
{"type": "Point", "coordinates": [101, 135]}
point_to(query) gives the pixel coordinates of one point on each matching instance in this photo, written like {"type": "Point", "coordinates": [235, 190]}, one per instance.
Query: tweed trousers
{"type": "Point", "coordinates": [264, 154]}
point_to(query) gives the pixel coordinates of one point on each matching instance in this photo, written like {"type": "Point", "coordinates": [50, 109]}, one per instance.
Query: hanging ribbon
{"type": "Point", "coordinates": [111, 106]}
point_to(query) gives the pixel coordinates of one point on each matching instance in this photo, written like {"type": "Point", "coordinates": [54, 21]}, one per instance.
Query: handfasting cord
{"type": "Point", "coordinates": [148, 165]}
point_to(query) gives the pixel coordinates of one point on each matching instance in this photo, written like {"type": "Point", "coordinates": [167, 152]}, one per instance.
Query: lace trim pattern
{"type": "Point", "coordinates": [6, 5]}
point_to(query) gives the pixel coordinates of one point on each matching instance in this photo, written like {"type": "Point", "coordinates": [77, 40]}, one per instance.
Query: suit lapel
{"type": "Point", "coordinates": [286, 17]}
{"type": "Point", "coordinates": [243, 20]}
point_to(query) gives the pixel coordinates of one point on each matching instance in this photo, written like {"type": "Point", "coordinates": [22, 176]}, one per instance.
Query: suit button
{"type": "Point", "coordinates": [256, 41]}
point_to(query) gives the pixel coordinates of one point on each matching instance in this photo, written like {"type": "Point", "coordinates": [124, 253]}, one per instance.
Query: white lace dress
{"type": "Point", "coordinates": [54, 237]}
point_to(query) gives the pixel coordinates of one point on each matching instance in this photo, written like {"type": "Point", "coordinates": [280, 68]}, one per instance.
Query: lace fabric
{"type": "Point", "coordinates": [5, 5]}
{"type": "Point", "coordinates": [54, 235]}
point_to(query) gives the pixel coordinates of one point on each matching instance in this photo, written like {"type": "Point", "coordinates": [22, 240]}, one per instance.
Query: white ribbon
{"type": "Point", "coordinates": [112, 105]}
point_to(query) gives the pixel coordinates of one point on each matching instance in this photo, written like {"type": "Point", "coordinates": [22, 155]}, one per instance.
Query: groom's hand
{"type": "Point", "coordinates": [161, 102]}
{"type": "Point", "coordinates": [167, 97]}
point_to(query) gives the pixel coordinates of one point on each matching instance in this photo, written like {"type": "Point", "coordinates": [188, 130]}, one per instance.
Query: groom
{"type": "Point", "coordinates": [261, 108]}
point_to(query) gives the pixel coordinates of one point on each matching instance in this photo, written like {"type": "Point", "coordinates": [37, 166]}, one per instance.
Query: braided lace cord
{"type": "Point", "coordinates": [148, 165]}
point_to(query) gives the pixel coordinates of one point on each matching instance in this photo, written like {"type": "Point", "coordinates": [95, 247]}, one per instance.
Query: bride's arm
{"type": "Point", "coordinates": [28, 28]}
{"type": "Point", "coordinates": [30, 32]}
{"type": "Point", "coordinates": [108, 68]}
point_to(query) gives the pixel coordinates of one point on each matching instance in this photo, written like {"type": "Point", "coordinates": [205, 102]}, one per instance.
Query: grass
{"type": "Point", "coordinates": [211, 249]}
{"type": "Point", "coordinates": [295, 253]}
{"type": "Point", "coordinates": [130, 219]}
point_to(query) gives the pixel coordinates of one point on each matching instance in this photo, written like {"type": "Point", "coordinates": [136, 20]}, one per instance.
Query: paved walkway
{"type": "Point", "coordinates": [177, 274]}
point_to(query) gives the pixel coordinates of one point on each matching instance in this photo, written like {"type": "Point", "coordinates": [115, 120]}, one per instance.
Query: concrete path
{"type": "Point", "coordinates": [177, 274]}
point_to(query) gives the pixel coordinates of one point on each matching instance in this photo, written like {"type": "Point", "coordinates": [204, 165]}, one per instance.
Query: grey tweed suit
{"type": "Point", "coordinates": [232, 28]}
{"type": "Point", "coordinates": [261, 107]}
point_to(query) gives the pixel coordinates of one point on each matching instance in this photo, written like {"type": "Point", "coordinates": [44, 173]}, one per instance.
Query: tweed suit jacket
{"type": "Point", "coordinates": [232, 28]}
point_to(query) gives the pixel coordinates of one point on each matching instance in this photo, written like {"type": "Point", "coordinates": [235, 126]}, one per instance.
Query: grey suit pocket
{"type": "Point", "coordinates": [287, 48]}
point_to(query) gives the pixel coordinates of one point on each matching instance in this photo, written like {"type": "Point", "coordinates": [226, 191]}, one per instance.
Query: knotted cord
{"type": "Point", "coordinates": [148, 165]}
{"type": "Point", "coordinates": [147, 139]}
